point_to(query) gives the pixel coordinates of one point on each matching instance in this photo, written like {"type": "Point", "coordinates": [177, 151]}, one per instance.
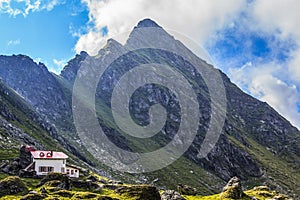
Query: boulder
{"type": "Point", "coordinates": [103, 181]}
{"type": "Point", "coordinates": [85, 195]}
{"type": "Point", "coordinates": [115, 182]}
{"type": "Point", "coordinates": [64, 193]}
{"type": "Point", "coordinates": [27, 174]}
{"type": "Point", "coordinates": [112, 186]}
{"type": "Point", "coordinates": [43, 190]}
{"type": "Point", "coordinates": [11, 168]}
{"type": "Point", "coordinates": [64, 180]}
{"type": "Point", "coordinates": [33, 197]}
{"type": "Point", "coordinates": [86, 185]}
{"type": "Point", "coordinates": [233, 189]}
{"type": "Point", "coordinates": [12, 185]}
{"type": "Point", "coordinates": [171, 195]}
{"type": "Point", "coordinates": [281, 197]}
{"type": "Point", "coordinates": [186, 190]}
{"type": "Point", "coordinates": [139, 192]}
{"type": "Point", "coordinates": [24, 157]}
{"type": "Point", "coordinates": [106, 198]}
{"type": "Point", "coordinates": [92, 178]}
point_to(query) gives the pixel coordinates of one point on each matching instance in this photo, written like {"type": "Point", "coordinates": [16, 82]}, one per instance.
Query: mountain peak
{"type": "Point", "coordinates": [110, 44]}
{"type": "Point", "coordinates": [113, 42]}
{"type": "Point", "coordinates": [147, 23]}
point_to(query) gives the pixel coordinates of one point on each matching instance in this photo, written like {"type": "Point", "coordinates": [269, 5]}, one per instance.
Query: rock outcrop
{"type": "Point", "coordinates": [233, 189]}
{"type": "Point", "coordinates": [12, 185]}
{"type": "Point", "coordinates": [171, 195]}
{"type": "Point", "coordinates": [186, 190]}
{"type": "Point", "coordinates": [140, 192]}
{"type": "Point", "coordinates": [61, 181]}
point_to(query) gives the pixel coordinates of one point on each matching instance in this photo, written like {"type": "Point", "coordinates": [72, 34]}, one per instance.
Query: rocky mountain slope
{"type": "Point", "coordinates": [257, 144]}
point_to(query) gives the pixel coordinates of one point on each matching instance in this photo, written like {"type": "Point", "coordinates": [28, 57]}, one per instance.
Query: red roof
{"type": "Point", "coordinates": [29, 148]}
{"type": "Point", "coordinates": [48, 155]}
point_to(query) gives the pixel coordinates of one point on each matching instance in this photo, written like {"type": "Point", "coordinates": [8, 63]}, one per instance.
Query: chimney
{"type": "Point", "coordinates": [50, 154]}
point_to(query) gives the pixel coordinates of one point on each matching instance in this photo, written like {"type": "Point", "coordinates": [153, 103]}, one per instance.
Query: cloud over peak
{"type": "Point", "coordinates": [194, 18]}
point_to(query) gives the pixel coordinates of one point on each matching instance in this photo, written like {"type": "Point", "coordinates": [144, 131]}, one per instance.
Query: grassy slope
{"type": "Point", "coordinates": [23, 120]}
{"type": "Point", "coordinates": [261, 193]}
{"type": "Point", "coordinates": [277, 169]}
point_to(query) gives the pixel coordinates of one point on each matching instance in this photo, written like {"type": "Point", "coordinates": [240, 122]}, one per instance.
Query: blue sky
{"type": "Point", "coordinates": [48, 35]}
{"type": "Point", "coordinates": [256, 43]}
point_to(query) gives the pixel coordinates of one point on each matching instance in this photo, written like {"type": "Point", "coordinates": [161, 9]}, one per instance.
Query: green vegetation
{"type": "Point", "coordinates": [276, 167]}
{"type": "Point", "coordinates": [187, 172]}
{"type": "Point", "coordinates": [28, 188]}
{"type": "Point", "coordinates": [260, 193]}
{"type": "Point", "coordinates": [12, 185]}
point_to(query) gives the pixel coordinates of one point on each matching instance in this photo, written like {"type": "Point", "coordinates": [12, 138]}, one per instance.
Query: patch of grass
{"type": "Point", "coordinates": [212, 197]}
{"type": "Point", "coordinates": [190, 174]}
{"type": "Point", "coordinates": [9, 154]}
{"type": "Point", "coordinates": [31, 183]}
{"type": "Point", "coordinates": [276, 167]}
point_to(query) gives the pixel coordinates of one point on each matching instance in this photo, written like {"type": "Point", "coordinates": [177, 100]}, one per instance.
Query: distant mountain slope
{"type": "Point", "coordinates": [20, 124]}
{"type": "Point", "coordinates": [19, 71]}
{"type": "Point", "coordinates": [36, 93]}
{"type": "Point", "coordinates": [257, 144]}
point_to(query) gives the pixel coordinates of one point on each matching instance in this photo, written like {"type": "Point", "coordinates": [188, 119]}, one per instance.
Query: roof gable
{"type": "Point", "coordinates": [48, 155]}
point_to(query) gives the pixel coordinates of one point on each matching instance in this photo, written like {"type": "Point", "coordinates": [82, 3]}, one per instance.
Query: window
{"type": "Point", "coordinates": [42, 169]}
{"type": "Point", "coordinates": [62, 170]}
{"type": "Point", "coordinates": [50, 169]}
{"type": "Point", "coordinates": [76, 171]}
{"type": "Point", "coordinates": [72, 172]}
{"type": "Point", "coordinates": [46, 169]}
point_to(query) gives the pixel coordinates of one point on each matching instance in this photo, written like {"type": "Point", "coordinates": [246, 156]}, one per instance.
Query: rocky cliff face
{"type": "Point", "coordinates": [22, 122]}
{"type": "Point", "coordinates": [257, 144]}
{"type": "Point", "coordinates": [70, 70]}
{"type": "Point", "coordinates": [36, 84]}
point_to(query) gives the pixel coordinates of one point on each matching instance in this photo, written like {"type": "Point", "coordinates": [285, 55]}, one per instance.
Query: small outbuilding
{"type": "Point", "coordinates": [72, 171]}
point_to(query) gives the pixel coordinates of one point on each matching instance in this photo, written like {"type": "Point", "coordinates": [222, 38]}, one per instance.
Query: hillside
{"type": "Point", "coordinates": [257, 144]}
{"type": "Point", "coordinates": [91, 186]}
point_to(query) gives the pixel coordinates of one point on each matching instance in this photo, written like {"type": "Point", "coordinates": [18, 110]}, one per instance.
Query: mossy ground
{"type": "Point", "coordinates": [260, 193]}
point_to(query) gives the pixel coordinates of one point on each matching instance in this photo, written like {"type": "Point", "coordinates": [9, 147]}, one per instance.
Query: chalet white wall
{"type": "Point", "coordinates": [56, 164]}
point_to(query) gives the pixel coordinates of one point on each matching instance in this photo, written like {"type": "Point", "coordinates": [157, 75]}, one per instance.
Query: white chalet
{"type": "Point", "coordinates": [44, 162]}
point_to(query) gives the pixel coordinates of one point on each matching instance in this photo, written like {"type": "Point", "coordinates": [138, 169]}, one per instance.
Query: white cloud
{"type": "Point", "coordinates": [281, 16]}
{"type": "Point", "coordinates": [294, 66]}
{"type": "Point", "coordinates": [31, 7]}
{"type": "Point", "coordinates": [13, 42]}
{"type": "Point", "coordinates": [277, 84]}
{"type": "Point", "coordinates": [24, 7]}
{"type": "Point", "coordinates": [263, 82]}
{"type": "Point", "coordinates": [279, 95]}
{"type": "Point", "coordinates": [194, 18]}
{"type": "Point", "coordinates": [59, 65]}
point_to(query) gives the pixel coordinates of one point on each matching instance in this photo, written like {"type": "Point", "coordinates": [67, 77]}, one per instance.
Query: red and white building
{"type": "Point", "coordinates": [44, 162]}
